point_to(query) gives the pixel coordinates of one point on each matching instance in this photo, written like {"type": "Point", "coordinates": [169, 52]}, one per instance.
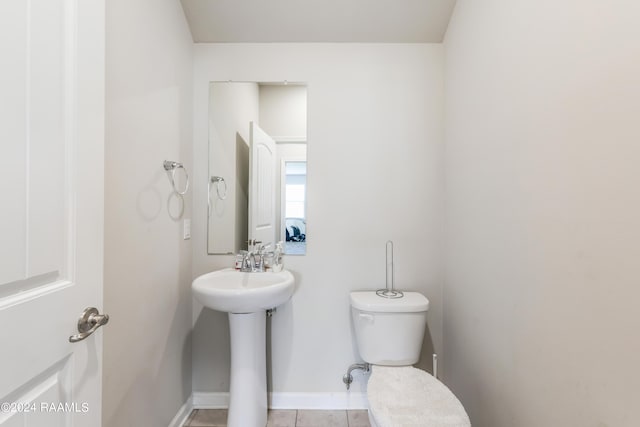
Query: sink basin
{"type": "Point", "coordinates": [233, 291]}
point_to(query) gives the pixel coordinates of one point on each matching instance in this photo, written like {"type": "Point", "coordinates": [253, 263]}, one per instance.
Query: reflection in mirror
{"type": "Point", "coordinates": [257, 166]}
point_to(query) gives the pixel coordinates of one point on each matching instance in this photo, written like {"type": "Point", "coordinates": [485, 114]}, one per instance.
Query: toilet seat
{"type": "Point", "coordinates": [404, 396]}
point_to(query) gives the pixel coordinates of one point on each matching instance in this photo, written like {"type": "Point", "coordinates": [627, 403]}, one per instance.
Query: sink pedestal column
{"type": "Point", "coordinates": [248, 388]}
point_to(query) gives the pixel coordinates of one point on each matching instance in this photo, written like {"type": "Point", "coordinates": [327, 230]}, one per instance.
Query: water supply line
{"type": "Point", "coordinates": [435, 365]}
{"type": "Point", "coordinates": [348, 378]}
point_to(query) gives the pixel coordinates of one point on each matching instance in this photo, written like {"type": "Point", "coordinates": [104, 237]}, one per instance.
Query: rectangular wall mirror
{"type": "Point", "coordinates": [257, 166]}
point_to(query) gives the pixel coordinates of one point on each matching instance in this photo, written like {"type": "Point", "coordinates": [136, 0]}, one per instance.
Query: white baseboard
{"type": "Point", "coordinates": [183, 413]}
{"type": "Point", "coordinates": [339, 400]}
{"type": "Point", "coordinates": [203, 400]}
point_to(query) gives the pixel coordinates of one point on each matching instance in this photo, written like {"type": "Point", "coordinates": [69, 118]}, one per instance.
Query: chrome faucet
{"type": "Point", "coordinates": [254, 261]}
{"type": "Point", "coordinates": [247, 263]}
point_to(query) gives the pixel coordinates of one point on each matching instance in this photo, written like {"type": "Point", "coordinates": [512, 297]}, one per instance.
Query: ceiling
{"type": "Point", "coordinates": [308, 21]}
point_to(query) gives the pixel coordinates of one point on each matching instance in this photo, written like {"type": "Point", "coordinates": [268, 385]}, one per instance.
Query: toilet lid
{"type": "Point", "coordinates": [405, 396]}
{"type": "Point", "coordinates": [411, 302]}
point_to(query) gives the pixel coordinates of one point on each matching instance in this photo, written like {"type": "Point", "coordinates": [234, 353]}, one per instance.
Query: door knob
{"type": "Point", "coordinates": [89, 321]}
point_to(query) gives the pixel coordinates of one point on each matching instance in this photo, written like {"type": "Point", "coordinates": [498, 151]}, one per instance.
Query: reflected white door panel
{"type": "Point", "coordinates": [262, 178]}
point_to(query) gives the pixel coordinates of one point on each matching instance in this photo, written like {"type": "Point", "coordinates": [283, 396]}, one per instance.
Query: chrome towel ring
{"type": "Point", "coordinates": [171, 167]}
{"type": "Point", "coordinates": [217, 180]}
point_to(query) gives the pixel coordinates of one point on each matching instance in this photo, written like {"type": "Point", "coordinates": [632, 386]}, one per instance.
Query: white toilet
{"type": "Point", "coordinates": [389, 333]}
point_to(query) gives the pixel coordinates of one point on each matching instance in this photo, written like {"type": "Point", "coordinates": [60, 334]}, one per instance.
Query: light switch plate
{"type": "Point", "coordinates": [186, 229]}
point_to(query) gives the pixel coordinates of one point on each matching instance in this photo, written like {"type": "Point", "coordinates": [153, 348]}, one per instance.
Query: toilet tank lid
{"type": "Point", "coordinates": [411, 302]}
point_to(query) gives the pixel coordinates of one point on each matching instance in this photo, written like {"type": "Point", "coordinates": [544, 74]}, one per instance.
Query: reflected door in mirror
{"type": "Point", "coordinates": [262, 196]}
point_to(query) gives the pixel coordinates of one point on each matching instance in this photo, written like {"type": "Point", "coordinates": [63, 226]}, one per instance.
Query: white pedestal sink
{"type": "Point", "coordinates": [246, 297]}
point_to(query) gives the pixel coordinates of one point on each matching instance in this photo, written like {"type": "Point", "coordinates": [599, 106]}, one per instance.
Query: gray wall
{"type": "Point", "coordinates": [147, 347]}
{"type": "Point", "coordinates": [542, 208]}
{"type": "Point", "coordinates": [375, 133]}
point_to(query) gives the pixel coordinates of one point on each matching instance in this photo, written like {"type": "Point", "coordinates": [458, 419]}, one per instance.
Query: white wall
{"type": "Point", "coordinates": [147, 292]}
{"type": "Point", "coordinates": [375, 137]}
{"type": "Point", "coordinates": [542, 207]}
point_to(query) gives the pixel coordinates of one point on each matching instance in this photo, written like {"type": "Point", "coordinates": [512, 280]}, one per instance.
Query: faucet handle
{"type": "Point", "coordinates": [253, 243]}
{"type": "Point", "coordinates": [264, 248]}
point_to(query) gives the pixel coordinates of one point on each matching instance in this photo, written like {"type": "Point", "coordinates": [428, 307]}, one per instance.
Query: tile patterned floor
{"type": "Point", "coordinates": [285, 418]}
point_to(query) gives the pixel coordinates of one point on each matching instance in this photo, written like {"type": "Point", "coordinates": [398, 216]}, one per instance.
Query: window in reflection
{"type": "Point", "coordinates": [295, 179]}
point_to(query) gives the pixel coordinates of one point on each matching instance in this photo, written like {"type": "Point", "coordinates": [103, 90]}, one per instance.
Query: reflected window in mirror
{"type": "Point", "coordinates": [294, 197]}
{"type": "Point", "coordinates": [258, 145]}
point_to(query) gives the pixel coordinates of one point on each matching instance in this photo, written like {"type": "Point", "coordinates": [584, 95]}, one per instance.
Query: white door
{"type": "Point", "coordinates": [262, 186]}
{"type": "Point", "coordinates": [51, 217]}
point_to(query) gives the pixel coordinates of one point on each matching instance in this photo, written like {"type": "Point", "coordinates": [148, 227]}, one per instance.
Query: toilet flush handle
{"type": "Point", "coordinates": [368, 317]}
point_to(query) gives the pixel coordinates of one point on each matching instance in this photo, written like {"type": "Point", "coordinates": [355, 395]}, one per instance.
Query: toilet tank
{"type": "Point", "coordinates": [389, 331]}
